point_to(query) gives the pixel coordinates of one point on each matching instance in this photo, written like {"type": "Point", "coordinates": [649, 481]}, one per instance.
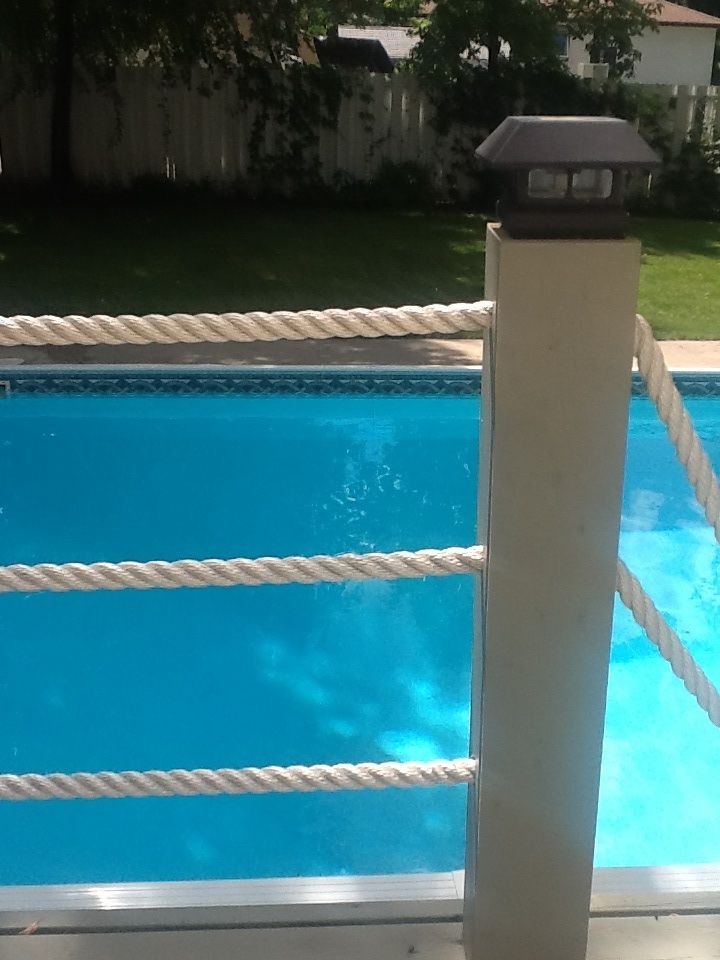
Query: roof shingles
{"type": "Point", "coordinates": [670, 14]}
{"type": "Point", "coordinates": [675, 15]}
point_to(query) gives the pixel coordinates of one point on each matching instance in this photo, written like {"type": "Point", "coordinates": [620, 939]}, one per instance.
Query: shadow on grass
{"type": "Point", "coordinates": [165, 257]}
{"type": "Point", "coordinates": [678, 237]}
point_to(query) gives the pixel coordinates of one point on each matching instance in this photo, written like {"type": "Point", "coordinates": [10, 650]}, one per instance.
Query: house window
{"type": "Point", "coordinates": [561, 42]}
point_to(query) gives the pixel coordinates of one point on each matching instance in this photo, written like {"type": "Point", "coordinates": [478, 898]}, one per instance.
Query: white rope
{"type": "Point", "coordinates": [244, 327]}
{"type": "Point", "coordinates": [360, 322]}
{"type": "Point", "coordinates": [671, 410]}
{"type": "Point", "coordinates": [668, 642]}
{"type": "Point", "coordinates": [132, 575]}
{"type": "Point", "coordinates": [256, 780]}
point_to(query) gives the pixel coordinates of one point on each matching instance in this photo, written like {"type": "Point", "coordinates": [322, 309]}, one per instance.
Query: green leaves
{"type": "Point", "coordinates": [609, 27]}
{"type": "Point", "coordinates": [458, 30]}
{"type": "Point", "coordinates": [462, 33]}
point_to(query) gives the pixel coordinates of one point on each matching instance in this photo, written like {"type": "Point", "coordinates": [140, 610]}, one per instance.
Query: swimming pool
{"type": "Point", "coordinates": [167, 466]}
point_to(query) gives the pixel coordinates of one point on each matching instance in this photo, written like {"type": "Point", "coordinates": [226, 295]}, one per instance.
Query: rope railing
{"type": "Point", "coordinates": [49, 330]}
{"type": "Point", "coordinates": [246, 780]}
{"type": "Point", "coordinates": [160, 574]}
{"type": "Point", "coordinates": [185, 328]}
{"type": "Point", "coordinates": [689, 449]}
{"type": "Point", "coordinates": [244, 327]}
{"type": "Point", "coordinates": [364, 776]}
{"type": "Point", "coordinates": [169, 575]}
{"type": "Point", "coordinates": [672, 411]}
{"type": "Point", "coordinates": [669, 644]}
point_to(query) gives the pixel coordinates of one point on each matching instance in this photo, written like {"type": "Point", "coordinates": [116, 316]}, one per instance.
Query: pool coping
{"type": "Point", "coordinates": [680, 355]}
{"type": "Point", "coordinates": [428, 897]}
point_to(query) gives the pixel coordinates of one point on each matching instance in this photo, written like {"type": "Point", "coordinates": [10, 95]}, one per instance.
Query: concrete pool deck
{"type": "Point", "coordinates": [388, 352]}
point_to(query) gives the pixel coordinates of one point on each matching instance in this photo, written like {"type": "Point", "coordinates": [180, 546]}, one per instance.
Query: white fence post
{"type": "Point", "coordinates": [684, 116]}
{"type": "Point", "coordinates": [556, 384]}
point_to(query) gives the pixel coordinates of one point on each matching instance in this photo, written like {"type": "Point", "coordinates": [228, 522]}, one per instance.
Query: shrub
{"type": "Point", "coordinates": [405, 185]}
{"type": "Point", "coordinates": [689, 183]}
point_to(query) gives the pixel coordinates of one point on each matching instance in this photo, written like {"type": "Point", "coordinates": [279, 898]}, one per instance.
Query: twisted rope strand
{"type": "Point", "coordinates": [50, 330]}
{"type": "Point", "coordinates": [169, 575]}
{"type": "Point", "coordinates": [254, 780]}
{"type": "Point", "coordinates": [671, 410]}
{"type": "Point", "coordinates": [667, 641]}
{"type": "Point", "coordinates": [436, 318]}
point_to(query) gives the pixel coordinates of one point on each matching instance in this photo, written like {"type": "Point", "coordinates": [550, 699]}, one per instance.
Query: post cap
{"type": "Point", "coordinates": [524, 143]}
{"type": "Point", "coordinates": [565, 177]}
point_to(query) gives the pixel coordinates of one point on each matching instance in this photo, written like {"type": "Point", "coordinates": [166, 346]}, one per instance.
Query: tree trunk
{"type": "Point", "coordinates": [493, 27]}
{"type": "Point", "coordinates": [61, 161]}
{"type": "Point", "coordinates": [493, 45]}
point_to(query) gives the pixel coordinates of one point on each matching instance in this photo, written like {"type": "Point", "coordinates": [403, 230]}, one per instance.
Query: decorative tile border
{"type": "Point", "coordinates": [394, 382]}
{"type": "Point", "coordinates": [252, 383]}
{"type": "Point", "coordinates": [705, 384]}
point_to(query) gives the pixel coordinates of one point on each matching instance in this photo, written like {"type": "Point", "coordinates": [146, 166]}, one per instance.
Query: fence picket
{"type": "Point", "coordinates": [396, 120]}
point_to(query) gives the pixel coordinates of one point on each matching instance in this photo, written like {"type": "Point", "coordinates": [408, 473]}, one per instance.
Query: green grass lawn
{"type": "Point", "coordinates": [161, 257]}
{"type": "Point", "coordinates": [680, 278]}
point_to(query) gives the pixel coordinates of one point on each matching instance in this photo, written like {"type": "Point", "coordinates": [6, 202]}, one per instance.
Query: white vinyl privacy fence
{"type": "Point", "coordinates": [690, 110]}
{"type": "Point", "coordinates": [197, 134]}
{"type": "Point", "coordinates": [207, 133]}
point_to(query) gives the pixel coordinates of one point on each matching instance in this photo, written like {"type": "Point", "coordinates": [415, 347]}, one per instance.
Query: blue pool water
{"type": "Point", "coordinates": [305, 674]}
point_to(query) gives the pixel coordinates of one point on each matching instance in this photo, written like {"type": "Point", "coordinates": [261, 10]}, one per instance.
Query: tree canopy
{"type": "Point", "coordinates": [712, 7]}
{"type": "Point", "coordinates": [175, 32]}
{"type": "Point", "coordinates": [452, 35]}
{"type": "Point", "coordinates": [318, 16]}
{"type": "Point", "coordinates": [48, 43]}
{"type": "Point", "coordinates": [609, 27]}
{"type": "Point", "coordinates": [104, 35]}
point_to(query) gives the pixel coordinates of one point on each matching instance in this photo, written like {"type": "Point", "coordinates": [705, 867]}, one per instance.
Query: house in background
{"type": "Point", "coordinates": [397, 41]}
{"type": "Point", "coordinates": [681, 51]}
{"type": "Point", "coordinates": [355, 50]}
